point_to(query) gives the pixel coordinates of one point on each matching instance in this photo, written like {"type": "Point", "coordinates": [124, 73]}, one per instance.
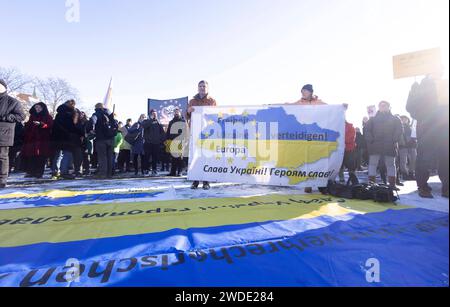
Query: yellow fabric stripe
{"type": "Point", "coordinates": [65, 224]}
{"type": "Point", "coordinates": [63, 194]}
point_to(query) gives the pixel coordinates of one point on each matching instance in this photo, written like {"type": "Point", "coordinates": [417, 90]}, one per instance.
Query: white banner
{"type": "Point", "coordinates": [286, 145]}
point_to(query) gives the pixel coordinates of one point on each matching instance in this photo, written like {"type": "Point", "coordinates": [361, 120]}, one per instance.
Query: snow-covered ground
{"type": "Point", "coordinates": [179, 188]}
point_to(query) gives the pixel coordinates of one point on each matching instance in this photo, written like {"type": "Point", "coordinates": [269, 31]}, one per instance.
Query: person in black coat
{"type": "Point", "coordinates": [11, 112]}
{"type": "Point", "coordinates": [66, 136]}
{"type": "Point", "coordinates": [154, 137]}
{"type": "Point", "coordinates": [428, 103]}
{"type": "Point", "coordinates": [105, 127]}
{"type": "Point", "coordinates": [382, 133]}
{"type": "Point", "coordinates": [175, 134]}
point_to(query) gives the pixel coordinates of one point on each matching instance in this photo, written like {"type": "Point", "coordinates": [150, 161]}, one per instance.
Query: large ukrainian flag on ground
{"type": "Point", "coordinates": [276, 240]}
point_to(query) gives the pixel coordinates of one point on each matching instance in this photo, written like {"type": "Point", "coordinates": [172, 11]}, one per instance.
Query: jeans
{"type": "Point", "coordinates": [62, 161]}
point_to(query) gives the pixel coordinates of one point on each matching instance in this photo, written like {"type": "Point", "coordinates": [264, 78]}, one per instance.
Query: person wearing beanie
{"type": "Point", "coordinates": [308, 97]}
{"type": "Point", "coordinates": [36, 148]}
{"type": "Point", "coordinates": [11, 112]}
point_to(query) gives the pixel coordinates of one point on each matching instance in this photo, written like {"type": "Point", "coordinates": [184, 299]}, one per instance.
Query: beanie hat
{"type": "Point", "coordinates": [309, 88]}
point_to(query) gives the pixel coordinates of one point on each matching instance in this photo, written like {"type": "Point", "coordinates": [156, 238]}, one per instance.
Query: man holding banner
{"type": "Point", "coordinates": [201, 99]}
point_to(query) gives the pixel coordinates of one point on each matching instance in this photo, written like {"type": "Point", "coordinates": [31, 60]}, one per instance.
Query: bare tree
{"type": "Point", "coordinates": [16, 81]}
{"type": "Point", "coordinates": [55, 91]}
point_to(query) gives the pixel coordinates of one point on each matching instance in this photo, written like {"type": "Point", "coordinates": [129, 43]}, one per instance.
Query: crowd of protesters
{"type": "Point", "coordinates": [388, 145]}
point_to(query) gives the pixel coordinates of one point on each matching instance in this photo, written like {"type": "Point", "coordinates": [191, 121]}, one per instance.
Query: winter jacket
{"type": "Point", "coordinates": [118, 140]}
{"type": "Point", "coordinates": [66, 134]}
{"type": "Point", "coordinates": [428, 103]}
{"type": "Point", "coordinates": [138, 147]}
{"type": "Point", "coordinates": [314, 101]}
{"type": "Point", "coordinates": [406, 141]}
{"type": "Point", "coordinates": [350, 137]}
{"type": "Point", "coordinates": [125, 145]}
{"type": "Point", "coordinates": [382, 133]}
{"type": "Point", "coordinates": [11, 112]}
{"type": "Point", "coordinates": [153, 132]}
{"type": "Point", "coordinates": [200, 102]}
{"type": "Point", "coordinates": [360, 141]}
{"type": "Point", "coordinates": [37, 138]}
{"type": "Point", "coordinates": [103, 125]}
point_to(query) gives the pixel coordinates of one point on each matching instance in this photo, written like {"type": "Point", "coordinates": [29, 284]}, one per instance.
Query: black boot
{"type": "Point", "coordinates": [425, 193]}
{"type": "Point", "coordinates": [195, 185]}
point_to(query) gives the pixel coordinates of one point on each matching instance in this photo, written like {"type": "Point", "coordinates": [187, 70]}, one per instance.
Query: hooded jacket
{"type": "Point", "coordinates": [11, 112]}
{"type": "Point", "coordinates": [37, 137]}
{"type": "Point", "coordinates": [66, 135]}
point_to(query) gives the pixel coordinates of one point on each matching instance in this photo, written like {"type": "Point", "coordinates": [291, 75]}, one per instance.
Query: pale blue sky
{"type": "Point", "coordinates": [251, 51]}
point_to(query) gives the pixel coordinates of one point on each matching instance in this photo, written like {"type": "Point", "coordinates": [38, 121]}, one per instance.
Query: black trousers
{"type": "Point", "coordinates": [105, 152]}
{"type": "Point", "coordinates": [77, 159]}
{"type": "Point", "coordinates": [177, 166]}
{"type": "Point", "coordinates": [152, 152]}
{"type": "Point", "coordinates": [4, 164]}
{"type": "Point", "coordinates": [86, 162]}
{"type": "Point", "coordinates": [124, 160]}
{"type": "Point", "coordinates": [14, 160]}
{"type": "Point", "coordinates": [34, 166]}
{"type": "Point", "coordinates": [429, 158]}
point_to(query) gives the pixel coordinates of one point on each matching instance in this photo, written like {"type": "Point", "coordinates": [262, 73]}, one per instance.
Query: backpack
{"type": "Point", "coordinates": [364, 191]}
{"type": "Point", "coordinates": [383, 194]}
{"type": "Point", "coordinates": [108, 125]}
{"type": "Point", "coordinates": [339, 189]}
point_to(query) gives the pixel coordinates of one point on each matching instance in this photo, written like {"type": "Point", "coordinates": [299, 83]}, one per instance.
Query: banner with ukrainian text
{"type": "Point", "coordinates": [285, 145]}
